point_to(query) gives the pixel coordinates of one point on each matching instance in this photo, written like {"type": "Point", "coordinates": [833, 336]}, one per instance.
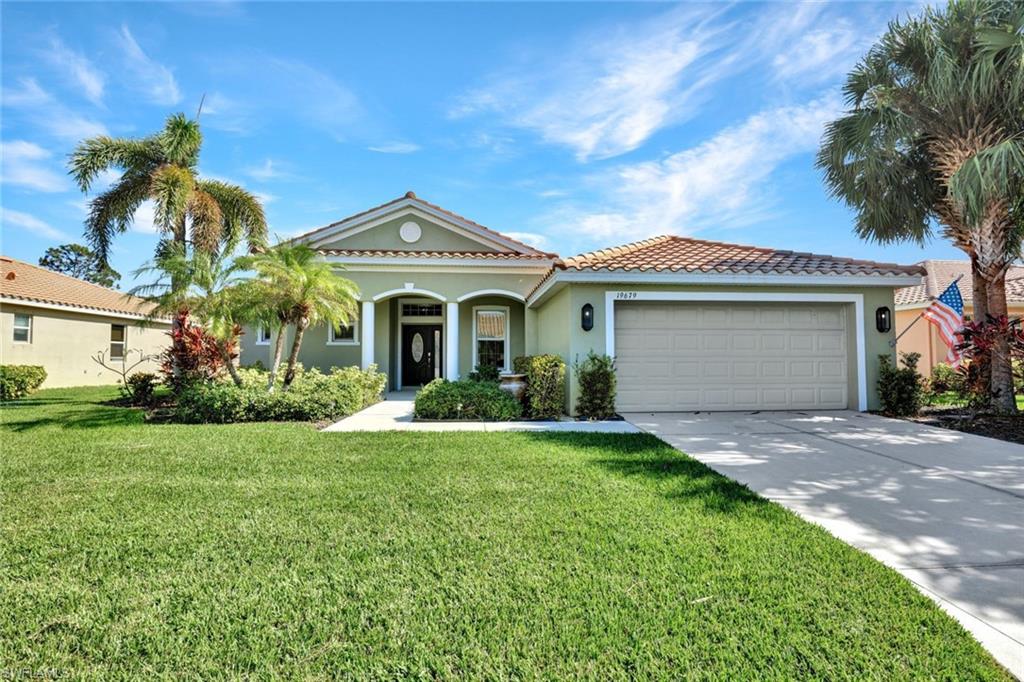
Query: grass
{"type": "Point", "coordinates": [271, 550]}
{"type": "Point", "coordinates": [951, 399]}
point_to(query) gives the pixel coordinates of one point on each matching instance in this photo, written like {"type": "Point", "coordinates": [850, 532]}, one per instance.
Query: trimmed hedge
{"type": "Point", "coordinates": [900, 389]}
{"type": "Point", "coordinates": [17, 381]}
{"type": "Point", "coordinates": [466, 400]}
{"type": "Point", "coordinates": [313, 396]}
{"type": "Point", "coordinates": [596, 377]}
{"type": "Point", "coordinates": [545, 384]}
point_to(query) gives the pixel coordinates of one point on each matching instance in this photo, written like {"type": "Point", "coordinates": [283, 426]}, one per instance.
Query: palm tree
{"type": "Point", "coordinates": [206, 214]}
{"type": "Point", "coordinates": [299, 289]}
{"type": "Point", "coordinates": [935, 134]}
{"type": "Point", "coordinates": [207, 286]}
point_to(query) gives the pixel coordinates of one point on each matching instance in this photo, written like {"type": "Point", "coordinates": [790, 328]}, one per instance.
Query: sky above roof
{"type": "Point", "coordinates": [570, 126]}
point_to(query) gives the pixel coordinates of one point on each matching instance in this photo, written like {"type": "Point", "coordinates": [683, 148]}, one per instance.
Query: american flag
{"type": "Point", "coordinates": [947, 314]}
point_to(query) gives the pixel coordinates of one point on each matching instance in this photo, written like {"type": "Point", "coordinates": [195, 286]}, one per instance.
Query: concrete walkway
{"type": "Point", "coordinates": [394, 413]}
{"type": "Point", "coordinates": [943, 508]}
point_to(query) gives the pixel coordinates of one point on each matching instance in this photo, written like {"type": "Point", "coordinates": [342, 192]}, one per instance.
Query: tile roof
{"type": "Point", "coordinates": [33, 284]}
{"type": "Point", "coordinates": [685, 254]}
{"type": "Point", "coordinates": [941, 272]}
{"type": "Point", "coordinates": [458, 255]}
{"type": "Point", "coordinates": [524, 248]}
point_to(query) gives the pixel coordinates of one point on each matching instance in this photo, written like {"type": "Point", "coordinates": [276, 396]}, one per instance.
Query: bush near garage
{"type": "Point", "coordinates": [900, 389]}
{"type": "Point", "coordinates": [17, 381]}
{"type": "Point", "coordinates": [313, 396]}
{"type": "Point", "coordinates": [466, 401]}
{"type": "Point", "coordinates": [545, 384]}
{"type": "Point", "coordinates": [596, 378]}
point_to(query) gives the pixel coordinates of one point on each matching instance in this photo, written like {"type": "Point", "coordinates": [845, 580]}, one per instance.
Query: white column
{"type": "Point", "coordinates": [367, 327]}
{"type": "Point", "coordinates": [451, 344]}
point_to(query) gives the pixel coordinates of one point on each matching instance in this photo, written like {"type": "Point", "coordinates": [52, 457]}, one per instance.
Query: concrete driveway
{"type": "Point", "coordinates": [943, 508]}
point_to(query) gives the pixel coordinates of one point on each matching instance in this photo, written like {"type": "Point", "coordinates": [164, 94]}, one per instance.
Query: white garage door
{"type": "Point", "coordinates": [730, 356]}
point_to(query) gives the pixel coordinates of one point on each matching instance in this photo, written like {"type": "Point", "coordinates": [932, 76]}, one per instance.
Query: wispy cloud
{"type": "Point", "coordinates": [45, 111]}
{"type": "Point", "coordinates": [29, 222]}
{"type": "Point", "coordinates": [611, 90]}
{"type": "Point", "coordinates": [24, 164]}
{"type": "Point", "coordinates": [722, 182]}
{"type": "Point", "coordinates": [537, 241]}
{"type": "Point", "coordinates": [395, 148]}
{"type": "Point", "coordinates": [77, 69]}
{"type": "Point", "coordinates": [268, 170]}
{"type": "Point", "coordinates": [150, 77]}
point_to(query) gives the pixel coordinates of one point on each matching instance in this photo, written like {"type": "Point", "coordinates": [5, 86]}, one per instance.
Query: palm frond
{"type": "Point", "coordinates": [242, 214]}
{"type": "Point", "coordinates": [171, 188]}
{"type": "Point", "coordinates": [181, 140]}
{"type": "Point", "coordinates": [206, 220]}
{"type": "Point", "coordinates": [113, 212]}
{"type": "Point", "coordinates": [97, 154]}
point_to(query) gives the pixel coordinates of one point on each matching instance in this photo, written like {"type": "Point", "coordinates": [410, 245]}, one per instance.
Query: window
{"type": "Point", "coordinates": [22, 328]}
{"type": "Point", "coordinates": [117, 339]}
{"type": "Point", "coordinates": [342, 334]}
{"type": "Point", "coordinates": [262, 335]}
{"type": "Point", "coordinates": [421, 310]}
{"type": "Point", "coordinates": [490, 338]}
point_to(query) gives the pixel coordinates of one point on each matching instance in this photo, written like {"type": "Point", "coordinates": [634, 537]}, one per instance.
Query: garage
{"type": "Point", "coordinates": [684, 356]}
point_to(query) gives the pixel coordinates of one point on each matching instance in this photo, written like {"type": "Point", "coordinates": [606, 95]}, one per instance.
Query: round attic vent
{"type": "Point", "coordinates": [410, 232]}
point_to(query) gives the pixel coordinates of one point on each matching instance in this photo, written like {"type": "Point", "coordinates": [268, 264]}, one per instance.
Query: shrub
{"type": "Point", "coordinates": [313, 396]}
{"type": "Point", "coordinates": [193, 352]}
{"type": "Point", "coordinates": [17, 381]}
{"type": "Point", "coordinates": [140, 387]}
{"type": "Point", "coordinates": [545, 384]}
{"type": "Point", "coordinates": [900, 389]}
{"type": "Point", "coordinates": [466, 400]}
{"type": "Point", "coordinates": [944, 379]}
{"type": "Point", "coordinates": [596, 377]}
{"type": "Point", "coordinates": [486, 373]}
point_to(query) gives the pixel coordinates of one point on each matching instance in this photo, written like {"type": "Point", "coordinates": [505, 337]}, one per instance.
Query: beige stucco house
{"type": "Point", "coordinates": [692, 324]}
{"type": "Point", "coordinates": [60, 322]}
{"type": "Point", "coordinates": [922, 337]}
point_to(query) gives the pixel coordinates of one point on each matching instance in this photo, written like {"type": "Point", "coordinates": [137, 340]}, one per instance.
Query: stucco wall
{"type": "Point", "coordinates": [432, 238]}
{"type": "Point", "coordinates": [566, 318]}
{"type": "Point", "coordinates": [923, 338]}
{"type": "Point", "coordinates": [64, 342]}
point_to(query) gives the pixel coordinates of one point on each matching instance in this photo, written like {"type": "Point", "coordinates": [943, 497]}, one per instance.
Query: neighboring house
{"type": "Point", "coordinates": [60, 322]}
{"type": "Point", "coordinates": [693, 324]}
{"type": "Point", "coordinates": [922, 337]}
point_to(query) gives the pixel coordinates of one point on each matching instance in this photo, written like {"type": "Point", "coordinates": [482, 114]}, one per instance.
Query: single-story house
{"type": "Point", "coordinates": [692, 324]}
{"type": "Point", "coordinates": [922, 337]}
{"type": "Point", "coordinates": [60, 322]}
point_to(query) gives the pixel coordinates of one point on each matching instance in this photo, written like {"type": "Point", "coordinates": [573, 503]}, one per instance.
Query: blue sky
{"type": "Point", "coordinates": [573, 126]}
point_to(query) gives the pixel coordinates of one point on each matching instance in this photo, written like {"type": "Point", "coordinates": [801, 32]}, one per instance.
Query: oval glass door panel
{"type": "Point", "coordinates": [417, 347]}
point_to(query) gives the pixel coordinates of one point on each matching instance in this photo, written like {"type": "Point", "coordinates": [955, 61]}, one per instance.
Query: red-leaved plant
{"type": "Point", "coordinates": [193, 354]}
{"type": "Point", "coordinates": [978, 342]}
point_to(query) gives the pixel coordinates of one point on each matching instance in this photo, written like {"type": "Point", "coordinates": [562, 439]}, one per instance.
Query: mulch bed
{"type": "Point", "coordinates": [1008, 428]}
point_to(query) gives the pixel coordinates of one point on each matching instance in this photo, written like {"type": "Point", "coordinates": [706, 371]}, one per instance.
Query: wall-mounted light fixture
{"type": "Point", "coordinates": [587, 317]}
{"type": "Point", "coordinates": [883, 319]}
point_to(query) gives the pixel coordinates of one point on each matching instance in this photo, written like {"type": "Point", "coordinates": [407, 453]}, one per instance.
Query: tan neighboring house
{"type": "Point", "coordinates": [61, 322]}
{"type": "Point", "coordinates": [923, 338]}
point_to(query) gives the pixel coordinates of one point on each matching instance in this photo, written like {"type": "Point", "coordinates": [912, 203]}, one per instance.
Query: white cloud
{"type": "Point", "coordinates": [29, 222]}
{"type": "Point", "coordinates": [45, 111]}
{"type": "Point", "coordinates": [24, 165]}
{"type": "Point", "coordinates": [225, 113]}
{"type": "Point", "coordinates": [268, 170]}
{"type": "Point", "coordinates": [552, 193]}
{"type": "Point", "coordinates": [77, 68]}
{"type": "Point", "coordinates": [719, 183]}
{"type": "Point", "coordinates": [153, 78]}
{"type": "Point", "coordinates": [264, 197]}
{"type": "Point", "coordinates": [145, 220]}
{"type": "Point", "coordinates": [537, 241]}
{"type": "Point", "coordinates": [820, 54]}
{"type": "Point", "coordinates": [395, 148]}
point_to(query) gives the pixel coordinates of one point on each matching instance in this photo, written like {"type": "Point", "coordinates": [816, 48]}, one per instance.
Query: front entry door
{"type": "Point", "coordinates": [421, 362]}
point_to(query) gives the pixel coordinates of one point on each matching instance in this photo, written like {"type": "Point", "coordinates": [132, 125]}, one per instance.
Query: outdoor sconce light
{"type": "Point", "coordinates": [587, 317]}
{"type": "Point", "coordinates": [883, 319]}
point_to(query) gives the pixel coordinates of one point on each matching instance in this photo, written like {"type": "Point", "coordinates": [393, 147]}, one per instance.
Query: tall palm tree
{"type": "Point", "coordinates": [206, 214]}
{"type": "Point", "coordinates": [935, 134]}
{"type": "Point", "coordinates": [300, 289]}
{"type": "Point", "coordinates": [207, 286]}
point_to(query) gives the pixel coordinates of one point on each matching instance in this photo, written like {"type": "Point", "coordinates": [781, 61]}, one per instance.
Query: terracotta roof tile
{"type": "Point", "coordinates": [31, 283]}
{"type": "Point", "coordinates": [524, 248]}
{"type": "Point", "coordinates": [941, 272]}
{"type": "Point", "coordinates": [685, 254]}
{"type": "Point", "coordinates": [459, 255]}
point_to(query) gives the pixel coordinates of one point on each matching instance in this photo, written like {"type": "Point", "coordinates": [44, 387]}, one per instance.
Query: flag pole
{"type": "Point", "coordinates": [892, 344]}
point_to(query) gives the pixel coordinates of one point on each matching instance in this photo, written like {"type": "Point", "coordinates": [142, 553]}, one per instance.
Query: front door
{"type": "Point", "coordinates": [421, 362]}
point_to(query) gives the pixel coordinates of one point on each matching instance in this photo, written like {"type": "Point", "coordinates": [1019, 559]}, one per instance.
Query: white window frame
{"type": "Point", "coordinates": [354, 341]}
{"type": "Point", "coordinates": [260, 329]}
{"type": "Point", "coordinates": [123, 342]}
{"type": "Point", "coordinates": [17, 326]}
{"type": "Point", "coordinates": [508, 325]}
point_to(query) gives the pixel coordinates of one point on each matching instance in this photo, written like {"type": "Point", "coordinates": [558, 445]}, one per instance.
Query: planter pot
{"type": "Point", "coordinates": [514, 384]}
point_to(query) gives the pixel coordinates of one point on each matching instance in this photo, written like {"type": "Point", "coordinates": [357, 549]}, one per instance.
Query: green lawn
{"type": "Point", "coordinates": [273, 550]}
{"type": "Point", "coordinates": [950, 399]}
